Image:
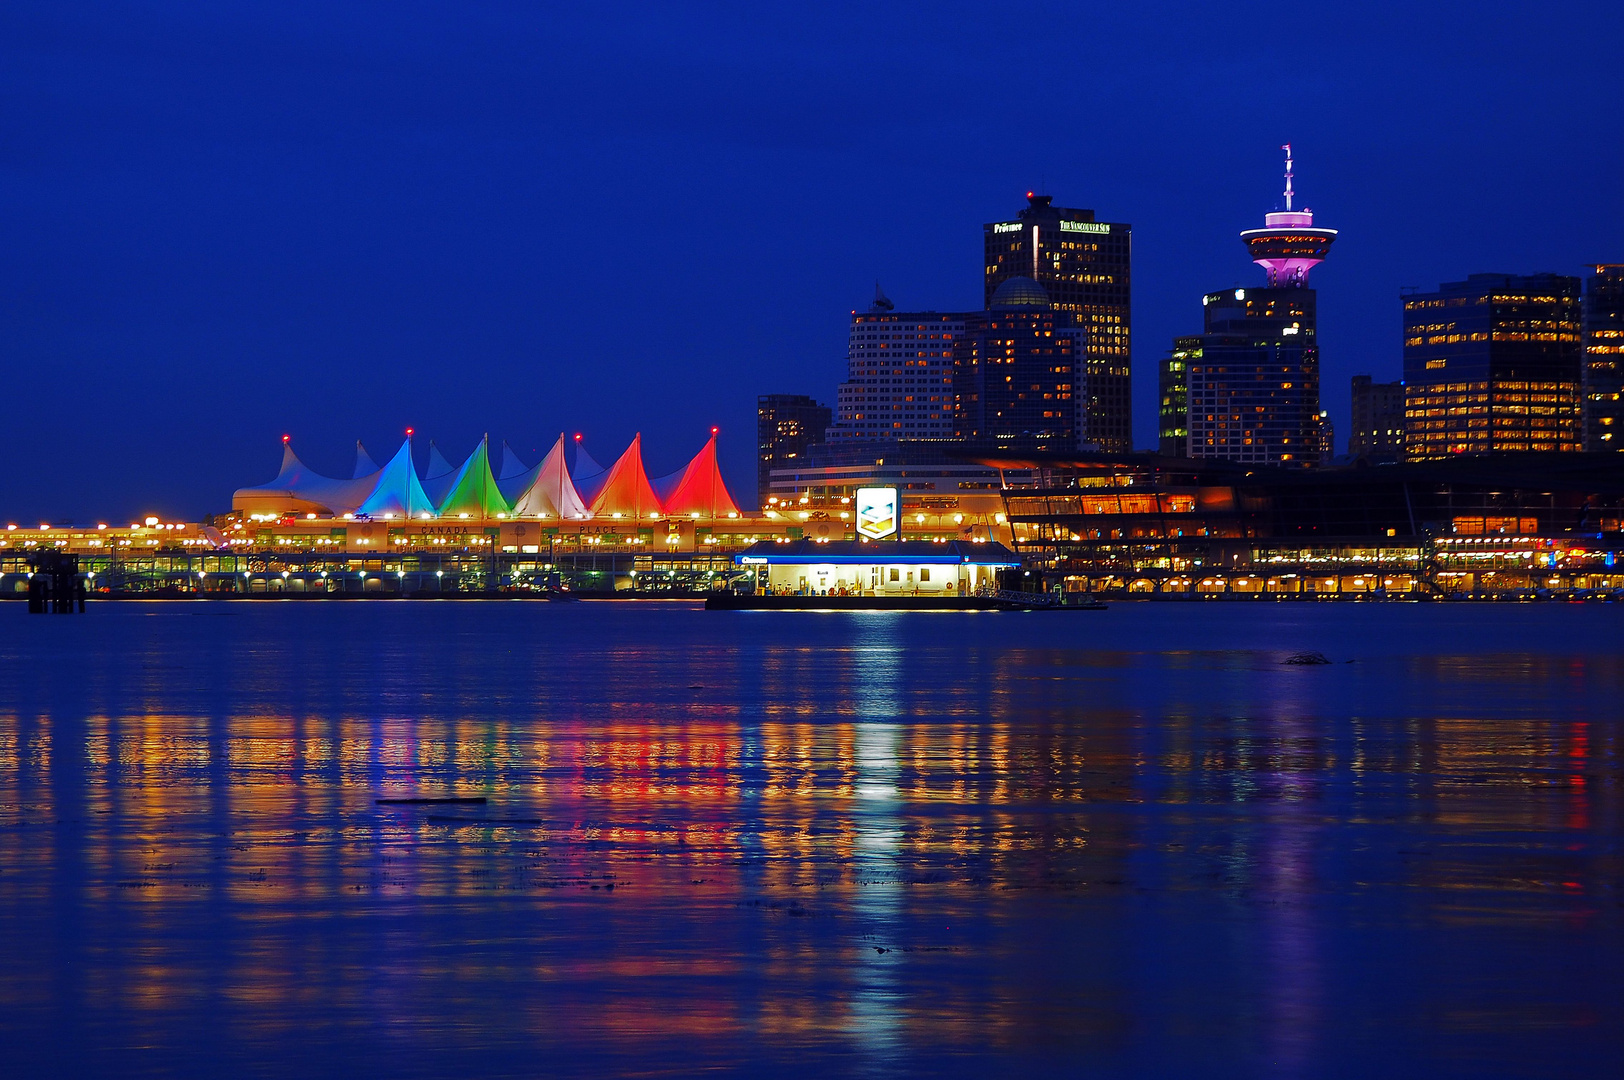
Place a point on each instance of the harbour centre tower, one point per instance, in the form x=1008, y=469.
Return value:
x=1247, y=389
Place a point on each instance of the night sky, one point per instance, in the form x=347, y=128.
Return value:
x=220, y=223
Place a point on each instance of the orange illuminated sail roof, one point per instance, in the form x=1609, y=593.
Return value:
x=699, y=488
x=626, y=490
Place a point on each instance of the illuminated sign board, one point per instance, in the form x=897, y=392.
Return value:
x=1084, y=226
x=878, y=512
x=1008, y=226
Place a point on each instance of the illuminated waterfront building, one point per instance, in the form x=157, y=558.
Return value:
x=1253, y=383
x=1327, y=438
x=944, y=495
x=1509, y=528
x=1015, y=372
x=883, y=568
x=1247, y=389
x=1173, y=386
x=1603, y=382
x=1493, y=364
x=786, y=424
x=1084, y=267
x=899, y=377
x=1378, y=420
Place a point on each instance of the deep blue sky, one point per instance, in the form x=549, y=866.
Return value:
x=220, y=223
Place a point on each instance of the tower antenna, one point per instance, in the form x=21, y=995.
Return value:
x=1287, y=149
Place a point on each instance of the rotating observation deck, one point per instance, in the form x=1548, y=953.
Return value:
x=1288, y=246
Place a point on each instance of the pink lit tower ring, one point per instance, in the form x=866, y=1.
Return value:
x=1289, y=246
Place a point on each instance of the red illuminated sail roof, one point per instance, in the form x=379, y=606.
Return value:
x=699, y=488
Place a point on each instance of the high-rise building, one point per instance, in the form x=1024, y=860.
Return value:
x=1254, y=390
x=1327, y=438
x=786, y=424
x=1492, y=364
x=1250, y=382
x=1083, y=266
x=1378, y=420
x=1603, y=383
x=1173, y=429
x=1015, y=372
x=899, y=376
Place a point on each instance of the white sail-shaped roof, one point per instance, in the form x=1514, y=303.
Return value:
x=511, y=466
x=397, y=492
x=364, y=465
x=588, y=476
x=514, y=477
x=438, y=465
x=439, y=477
x=298, y=489
x=552, y=494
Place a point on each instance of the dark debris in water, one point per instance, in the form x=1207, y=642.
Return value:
x=1306, y=659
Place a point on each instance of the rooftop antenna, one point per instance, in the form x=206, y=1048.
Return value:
x=1287, y=149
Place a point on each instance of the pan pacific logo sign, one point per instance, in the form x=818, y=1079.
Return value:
x=877, y=512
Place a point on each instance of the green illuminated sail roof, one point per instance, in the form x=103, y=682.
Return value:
x=474, y=491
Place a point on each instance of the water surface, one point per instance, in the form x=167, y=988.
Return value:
x=1130, y=843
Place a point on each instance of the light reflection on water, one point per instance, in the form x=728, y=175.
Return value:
x=1126, y=843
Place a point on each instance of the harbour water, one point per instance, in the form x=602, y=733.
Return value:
x=1132, y=843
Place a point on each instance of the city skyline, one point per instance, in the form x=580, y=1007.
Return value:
x=342, y=233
